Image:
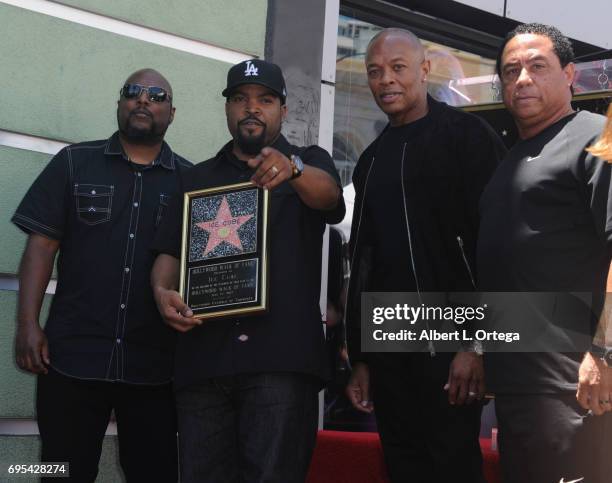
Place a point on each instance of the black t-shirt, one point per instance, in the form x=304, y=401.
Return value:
x=289, y=337
x=384, y=223
x=546, y=222
x=104, y=210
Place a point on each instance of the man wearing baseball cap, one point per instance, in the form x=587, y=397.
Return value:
x=247, y=388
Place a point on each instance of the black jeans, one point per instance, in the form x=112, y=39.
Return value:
x=73, y=415
x=546, y=438
x=424, y=438
x=248, y=428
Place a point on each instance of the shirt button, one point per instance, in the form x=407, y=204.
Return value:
x=127, y=269
x=93, y=192
x=243, y=338
x=139, y=174
x=131, y=235
x=118, y=341
x=123, y=306
x=136, y=203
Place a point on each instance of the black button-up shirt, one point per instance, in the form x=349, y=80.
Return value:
x=289, y=337
x=104, y=210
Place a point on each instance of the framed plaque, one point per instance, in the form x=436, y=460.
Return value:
x=224, y=252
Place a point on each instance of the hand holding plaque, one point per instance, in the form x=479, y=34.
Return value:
x=224, y=256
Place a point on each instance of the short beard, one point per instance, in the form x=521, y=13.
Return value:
x=150, y=135
x=251, y=145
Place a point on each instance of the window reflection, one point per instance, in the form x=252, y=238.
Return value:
x=357, y=119
x=593, y=76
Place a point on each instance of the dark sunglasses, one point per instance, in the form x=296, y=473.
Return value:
x=155, y=94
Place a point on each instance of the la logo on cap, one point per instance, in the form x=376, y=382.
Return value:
x=251, y=69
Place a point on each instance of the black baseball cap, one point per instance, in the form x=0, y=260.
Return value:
x=256, y=71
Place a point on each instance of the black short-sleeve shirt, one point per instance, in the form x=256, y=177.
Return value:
x=289, y=338
x=104, y=210
x=546, y=227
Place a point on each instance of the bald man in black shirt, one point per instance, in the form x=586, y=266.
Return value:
x=414, y=230
x=104, y=346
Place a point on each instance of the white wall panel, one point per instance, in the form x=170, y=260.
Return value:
x=491, y=6
x=586, y=21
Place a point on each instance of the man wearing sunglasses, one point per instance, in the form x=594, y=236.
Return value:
x=104, y=346
x=247, y=388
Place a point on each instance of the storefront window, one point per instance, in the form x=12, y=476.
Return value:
x=357, y=119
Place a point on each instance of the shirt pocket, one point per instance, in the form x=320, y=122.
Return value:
x=162, y=207
x=93, y=202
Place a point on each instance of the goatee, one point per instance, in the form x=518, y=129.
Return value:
x=251, y=144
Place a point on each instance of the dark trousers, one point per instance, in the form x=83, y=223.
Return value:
x=73, y=415
x=248, y=428
x=547, y=438
x=424, y=438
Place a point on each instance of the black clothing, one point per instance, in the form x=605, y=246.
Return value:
x=248, y=428
x=445, y=169
x=546, y=223
x=423, y=180
x=73, y=415
x=384, y=225
x=336, y=264
x=550, y=437
x=424, y=438
x=104, y=210
x=290, y=336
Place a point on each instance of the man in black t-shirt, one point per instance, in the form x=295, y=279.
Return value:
x=247, y=387
x=104, y=346
x=546, y=227
x=414, y=230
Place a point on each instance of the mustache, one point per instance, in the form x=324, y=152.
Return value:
x=251, y=118
x=141, y=111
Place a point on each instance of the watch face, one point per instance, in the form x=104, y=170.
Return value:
x=608, y=357
x=298, y=163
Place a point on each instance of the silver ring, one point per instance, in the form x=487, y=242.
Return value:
x=471, y=393
x=274, y=170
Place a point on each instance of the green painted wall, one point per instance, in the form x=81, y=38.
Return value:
x=18, y=168
x=233, y=24
x=66, y=79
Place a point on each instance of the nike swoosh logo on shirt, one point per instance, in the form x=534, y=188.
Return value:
x=529, y=159
x=562, y=480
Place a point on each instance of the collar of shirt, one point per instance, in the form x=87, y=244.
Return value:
x=164, y=158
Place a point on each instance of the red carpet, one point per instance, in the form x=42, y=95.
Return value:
x=345, y=457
